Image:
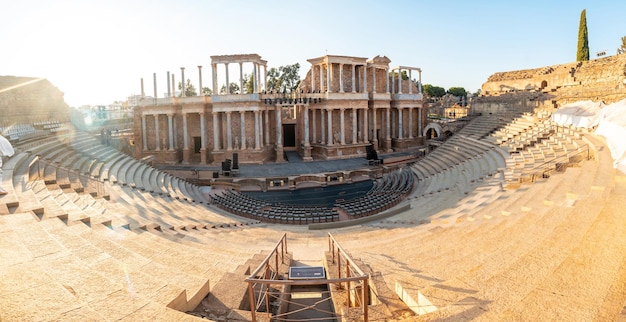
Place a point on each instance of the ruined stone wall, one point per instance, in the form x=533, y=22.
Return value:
x=38, y=100
x=549, y=87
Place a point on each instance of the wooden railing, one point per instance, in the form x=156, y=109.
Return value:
x=265, y=275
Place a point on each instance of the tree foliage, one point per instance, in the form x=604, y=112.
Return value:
x=248, y=83
x=284, y=79
x=433, y=91
x=622, y=48
x=190, y=90
x=582, y=54
x=206, y=91
x=233, y=87
x=457, y=91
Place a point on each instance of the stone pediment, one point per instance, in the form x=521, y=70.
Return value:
x=379, y=61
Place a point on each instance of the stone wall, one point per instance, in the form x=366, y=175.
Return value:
x=602, y=79
x=25, y=100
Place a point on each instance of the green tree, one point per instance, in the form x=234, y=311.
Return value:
x=457, y=91
x=190, y=90
x=284, y=79
x=622, y=48
x=433, y=91
x=207, y=91
x=248, y=83
x=234, y=89
x=582, y=54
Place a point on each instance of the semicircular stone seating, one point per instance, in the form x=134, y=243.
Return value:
x=465, y=249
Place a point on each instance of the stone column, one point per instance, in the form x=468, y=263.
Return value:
x=182, y=80
x=342, y=136
x=229, y=132
x=321, y=79
x=314, y=121
x=399, y=81
x=400, y=123
x=256, y=131
x=267, y=127
x=313, y=79
x=227, y=80
x=410, y=121
x=393, y=82
x=374, y=132
x=202, y=131
x=265, y=76
x=200, y=81
x=329, y=79
x=216, y=132
x=419, y=80
x=155, y=87
x=354, y=125
x=243, y=129
x=387, y=124
x=279, y=135
x=322, y=127
x=255, y=78
x=364, y=78
x=353, y=78
x=374, y=80
x=261, y=132
x=185, y=139
x=143, y=94
x=157, y=139
x=306, y=126
x=214, y=75
x=185, y=133
x=202, y=137
x=365, y=130
x=170, y=130
x=330, y=127
x=241, y=78
x=419, y=122
x=410, y=85
x=387, y=80
x=173, y=85
x=169, y=92
x=144, y=135
x=340, y=78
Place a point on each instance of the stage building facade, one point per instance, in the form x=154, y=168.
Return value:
x=343, y=105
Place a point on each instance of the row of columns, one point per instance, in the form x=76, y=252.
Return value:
x=171, y=86
x=363, y=71
x=260, y=133
x=326, y=123
x=170, y=131
x=255, y=77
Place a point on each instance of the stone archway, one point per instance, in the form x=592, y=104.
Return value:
x=436, y=127
x=544, y=84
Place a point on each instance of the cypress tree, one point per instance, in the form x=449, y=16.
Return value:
x=583, y=38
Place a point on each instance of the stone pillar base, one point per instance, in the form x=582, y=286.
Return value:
x=388, y=145
x=186, y=156
x=307, y=153
x=203, y=155
x=279, y=154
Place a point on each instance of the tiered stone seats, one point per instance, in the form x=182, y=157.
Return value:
x=386, y=194
x=458, y=162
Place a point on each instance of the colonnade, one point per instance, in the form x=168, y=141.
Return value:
x=260, y=132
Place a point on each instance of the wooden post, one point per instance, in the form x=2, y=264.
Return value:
x=348, y=282
x=252, y=302
x=339, y=267
x=365, y=299
x=267, y=300
x=276, y=261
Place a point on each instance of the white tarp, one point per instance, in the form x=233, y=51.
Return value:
x=583, y=114
x=6, y=149
x=612, y=126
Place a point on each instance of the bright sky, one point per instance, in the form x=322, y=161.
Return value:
x=96, y=52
